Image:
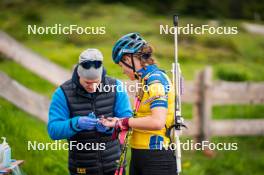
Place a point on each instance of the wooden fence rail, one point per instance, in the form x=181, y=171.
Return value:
x=211, y=93
x=43, y=67
x=24, y=98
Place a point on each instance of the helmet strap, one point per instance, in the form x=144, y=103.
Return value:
x=127, y=65
x=132, y=67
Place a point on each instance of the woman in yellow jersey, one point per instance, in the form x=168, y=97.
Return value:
x=153, y=108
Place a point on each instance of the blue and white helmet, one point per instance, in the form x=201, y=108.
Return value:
x=127, y=44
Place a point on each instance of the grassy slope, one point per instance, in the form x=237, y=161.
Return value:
x=247, y=160
x=19, y=128
x=240, y=56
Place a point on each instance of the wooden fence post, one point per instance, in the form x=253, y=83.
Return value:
x=196, y=119
x=203, y=105
x=206, y=103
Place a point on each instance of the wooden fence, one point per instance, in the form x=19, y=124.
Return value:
x=24, y=98
x=32, y=61
x=205, y=93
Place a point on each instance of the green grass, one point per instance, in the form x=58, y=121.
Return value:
x=248, y=159
x=246, y=111
x=238, y=112
x=26, y=78
x=19, y=128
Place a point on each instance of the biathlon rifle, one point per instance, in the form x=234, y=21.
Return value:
x=178, y=87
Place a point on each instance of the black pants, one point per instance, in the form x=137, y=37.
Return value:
x=152, y=162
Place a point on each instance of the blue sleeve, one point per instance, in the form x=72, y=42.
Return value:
x=60, y=126
x=159, y=78
x=122, y=103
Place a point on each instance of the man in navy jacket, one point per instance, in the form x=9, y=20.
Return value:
x=74, y=114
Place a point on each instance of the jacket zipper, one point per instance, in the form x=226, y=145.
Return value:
x=100, y=166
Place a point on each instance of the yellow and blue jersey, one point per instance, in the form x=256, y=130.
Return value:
x=159, y=93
